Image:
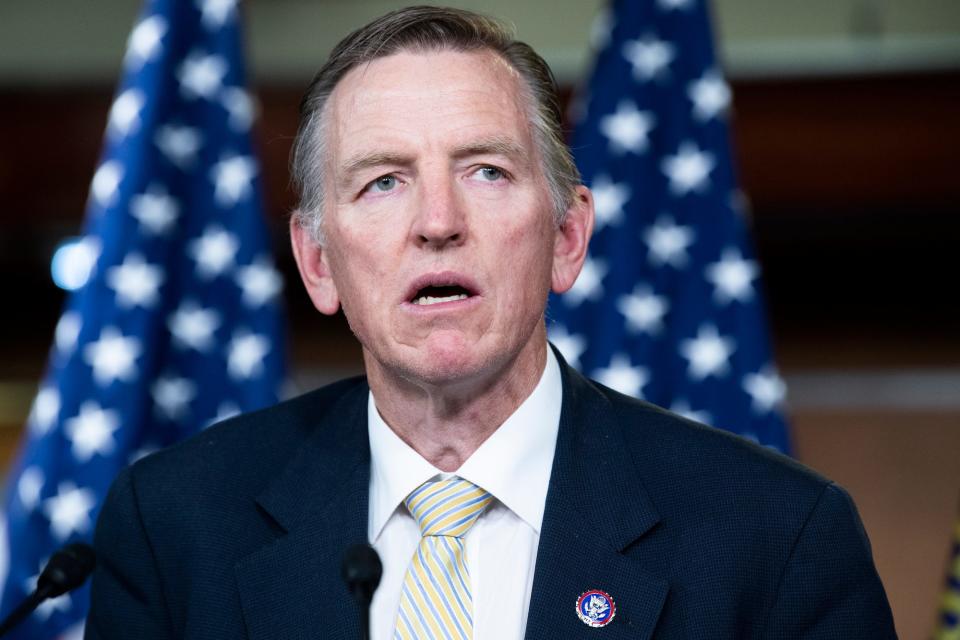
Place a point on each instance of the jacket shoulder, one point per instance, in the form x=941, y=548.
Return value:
x=244, y=451
x=704, y=468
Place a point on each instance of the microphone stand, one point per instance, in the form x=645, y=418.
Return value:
x=67, y=569
x=25, y=608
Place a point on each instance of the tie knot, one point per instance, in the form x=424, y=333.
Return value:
x=447, y=507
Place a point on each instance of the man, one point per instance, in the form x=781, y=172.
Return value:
x=508, y=496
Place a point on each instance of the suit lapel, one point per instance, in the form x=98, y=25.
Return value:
x=596, y=508
x=291, y=587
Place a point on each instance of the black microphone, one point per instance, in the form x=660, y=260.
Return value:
x=66, y=570
x=361, y=570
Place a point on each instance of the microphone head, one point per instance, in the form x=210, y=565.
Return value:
x=67, y=569
x=361, y=570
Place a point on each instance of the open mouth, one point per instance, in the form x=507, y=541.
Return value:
x=439, y=288
x=436, y=294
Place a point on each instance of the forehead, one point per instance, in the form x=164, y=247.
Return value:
x=430, y=98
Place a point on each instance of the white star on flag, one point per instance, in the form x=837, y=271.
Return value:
x=260, y=282
x=80, y=260
x=201, y=75
x=245, y=355
x=766, y=389
x=49, y=606
x=669, y=5
x=193, y=327
x=69, y=510
x=233, y=179
x=589, y=284
x=708, y=354
x=124, y=117
x=180, y=145
x=30, y=486
x=106, y=181
x=67, y=331
x=91, y=431
x=214, y=251
x=682, y=408
x=667, y=242
x=571, y=345
x=240, y=108
x=732, y=277
x=214, y=13
x=627, y=129
x=144, y=41
x=136, y=283
x=46, y=408
x=225, y=411
x=601, y=28
x=113, y=357
x=643, y=310
x=649, y=56
x=620, y=375
x=173, y=395
x=155, y=210
x=608, y=200
x=688, y=170
x=710, y=95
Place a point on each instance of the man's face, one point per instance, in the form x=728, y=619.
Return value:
x=440, y=238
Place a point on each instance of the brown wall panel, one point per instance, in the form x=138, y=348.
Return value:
x=872, y=142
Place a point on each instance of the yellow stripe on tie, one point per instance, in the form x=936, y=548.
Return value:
x=437, y=596
x=427, y=499
x=460, y=509
x=436, y=603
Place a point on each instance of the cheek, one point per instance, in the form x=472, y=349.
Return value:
x=359, y=255
x=529, y=260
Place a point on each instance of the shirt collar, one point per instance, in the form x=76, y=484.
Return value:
x=513, y=464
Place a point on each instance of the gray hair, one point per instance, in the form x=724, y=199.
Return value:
x=418, y=29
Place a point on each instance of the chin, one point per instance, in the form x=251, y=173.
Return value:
x=444, y=360
x=449, y=361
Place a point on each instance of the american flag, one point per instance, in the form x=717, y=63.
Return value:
x=668, y=306
x=178, y=324
x=948, y=624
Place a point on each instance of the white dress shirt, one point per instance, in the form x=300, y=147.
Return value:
x=514, y=465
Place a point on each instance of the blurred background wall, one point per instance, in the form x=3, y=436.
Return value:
x=847, y=133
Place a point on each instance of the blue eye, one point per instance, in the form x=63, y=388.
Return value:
x=383, y=183
x=491, y=174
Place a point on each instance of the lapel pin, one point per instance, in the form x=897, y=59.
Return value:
x=596, y=608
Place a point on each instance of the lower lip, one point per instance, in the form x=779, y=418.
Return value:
x=438, y=307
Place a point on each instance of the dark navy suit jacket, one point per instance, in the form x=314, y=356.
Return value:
x=238, y=532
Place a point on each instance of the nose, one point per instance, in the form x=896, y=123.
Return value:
x=441, y=220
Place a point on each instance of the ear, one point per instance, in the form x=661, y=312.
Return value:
x=313, y=264
x=571, y=240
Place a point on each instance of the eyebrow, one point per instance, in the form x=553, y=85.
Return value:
x=490, y=146
x=375, y=159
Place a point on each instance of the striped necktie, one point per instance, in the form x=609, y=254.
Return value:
x=436, y=602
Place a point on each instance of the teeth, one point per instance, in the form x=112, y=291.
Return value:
x=425, y=300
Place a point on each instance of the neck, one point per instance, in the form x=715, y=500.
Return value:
x=446, y=422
